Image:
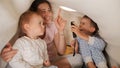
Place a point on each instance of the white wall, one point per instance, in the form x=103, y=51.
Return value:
x=10, y=11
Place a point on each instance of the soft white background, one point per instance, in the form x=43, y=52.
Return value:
x=105, y=12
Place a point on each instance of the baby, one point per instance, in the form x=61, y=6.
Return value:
x=32, y=50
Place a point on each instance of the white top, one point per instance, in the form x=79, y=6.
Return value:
x=31, y=53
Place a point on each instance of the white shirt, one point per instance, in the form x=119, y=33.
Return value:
x=31, y=53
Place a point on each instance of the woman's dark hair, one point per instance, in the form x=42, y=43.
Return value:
x=36, y=3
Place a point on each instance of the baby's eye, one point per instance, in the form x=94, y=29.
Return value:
x=82, y=23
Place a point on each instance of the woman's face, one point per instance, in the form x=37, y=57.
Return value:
x=45, y=11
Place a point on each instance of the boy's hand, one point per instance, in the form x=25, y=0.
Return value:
x=72, y=44
x=8, y=53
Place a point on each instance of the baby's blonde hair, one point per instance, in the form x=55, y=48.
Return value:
x=24, y=19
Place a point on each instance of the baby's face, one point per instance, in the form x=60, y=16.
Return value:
x=36, y=25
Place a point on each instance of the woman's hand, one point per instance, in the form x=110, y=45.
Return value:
x=60, y=22
x=8, y=53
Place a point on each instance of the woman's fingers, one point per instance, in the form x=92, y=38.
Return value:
x=60, y=22
x=59, y=12
x=7, y=56
x=6, y=50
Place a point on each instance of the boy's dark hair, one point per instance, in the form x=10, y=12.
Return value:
x=92, y=23
x=36, y=3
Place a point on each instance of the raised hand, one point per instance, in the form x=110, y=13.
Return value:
x=60, y=22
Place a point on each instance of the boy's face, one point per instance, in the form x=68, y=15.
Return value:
x=45, y=11
x=85, y=25
x=36, y=25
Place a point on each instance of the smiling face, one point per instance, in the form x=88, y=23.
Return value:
x=45, y=11
x=85, y=26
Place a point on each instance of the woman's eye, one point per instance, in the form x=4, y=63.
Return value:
x=43, y=11
x=49, y=10
x=39, y=22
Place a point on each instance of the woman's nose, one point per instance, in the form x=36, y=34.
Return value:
x=43, y=26
x=46, y=13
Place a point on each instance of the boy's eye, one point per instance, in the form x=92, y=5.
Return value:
x=83, y=23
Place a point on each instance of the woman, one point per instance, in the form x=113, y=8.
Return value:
x=54, y=37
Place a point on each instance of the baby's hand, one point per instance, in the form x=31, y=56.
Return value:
x=46, y=63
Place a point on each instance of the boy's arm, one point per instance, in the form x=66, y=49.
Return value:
x=84, y=50
x=91, y=65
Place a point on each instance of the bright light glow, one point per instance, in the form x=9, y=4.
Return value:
x=67, y=9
